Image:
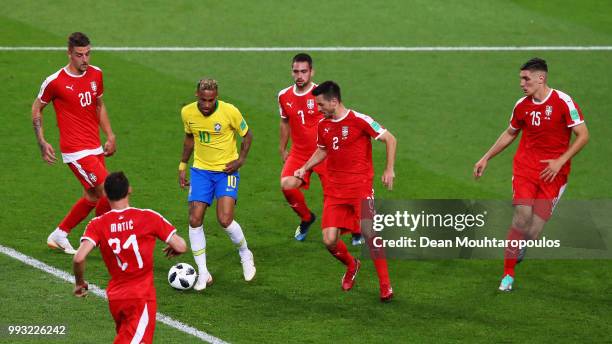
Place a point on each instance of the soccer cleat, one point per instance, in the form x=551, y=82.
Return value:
x=203, y=281
x=302, y=230
x=248, y=267
x=521, y=255
x=348, y=280
x=386, y=293
x=357, y=239
x=58, y=242
x=506, y=283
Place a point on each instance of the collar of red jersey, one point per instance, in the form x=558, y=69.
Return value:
x=305, y=92
x=545, y=99
x=120, y=210
x=74, y=75
x=343, y=117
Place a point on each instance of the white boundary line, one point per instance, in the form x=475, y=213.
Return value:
x=340, y=48
x=102, y=293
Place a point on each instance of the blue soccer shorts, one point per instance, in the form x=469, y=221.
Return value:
x=208, y=185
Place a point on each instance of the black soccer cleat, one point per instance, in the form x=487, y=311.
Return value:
x=302, y=231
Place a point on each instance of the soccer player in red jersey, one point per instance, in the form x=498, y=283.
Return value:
x=76, y=92
x=126, y=237
x=344, y=138
x=547, y=118
x=299, y=119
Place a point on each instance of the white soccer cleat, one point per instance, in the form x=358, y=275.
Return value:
x=248, y=266
x=59, y=242
x=204, y=280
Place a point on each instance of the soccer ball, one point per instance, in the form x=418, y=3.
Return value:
x=182, y=276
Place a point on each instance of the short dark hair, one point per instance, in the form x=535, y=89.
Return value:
x=535, y=64
x=77, y=39
x=116, y=186
x=303, y=57
x=329, y=90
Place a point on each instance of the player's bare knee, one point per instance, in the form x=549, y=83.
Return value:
x=194, y=221
x=288, y=183
x=225, y=220
x=522, y=217
x=329, y=242
x=330, y=239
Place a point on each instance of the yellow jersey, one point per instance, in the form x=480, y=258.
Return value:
x=214, y=135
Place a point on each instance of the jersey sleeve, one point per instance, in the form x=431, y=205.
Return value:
x=238, y=123
x=573, y=115
x=516, y=122
x=101, y=85
x=370, y=126
x=47, y=91
x=281, y=110
x=91, y=233
x=186, y=126
x=320, y=142
x=164, y=230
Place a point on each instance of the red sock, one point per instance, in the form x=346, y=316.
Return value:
x=511, y=253
x=341, y=253
x=296, y=200
x=102, y=207
x=380, y=263
x=77, y=213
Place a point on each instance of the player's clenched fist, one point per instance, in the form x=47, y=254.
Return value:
x=479, y=168
x=80, y=290
x=299, y=173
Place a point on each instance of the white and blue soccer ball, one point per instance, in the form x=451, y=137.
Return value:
x=182, y=276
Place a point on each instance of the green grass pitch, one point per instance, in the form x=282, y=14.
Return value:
x=445, y=108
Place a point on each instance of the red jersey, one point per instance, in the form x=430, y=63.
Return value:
x=75, y=99
x=303, y=115
x=349, y=154
x=546, y=130
x=127, y=239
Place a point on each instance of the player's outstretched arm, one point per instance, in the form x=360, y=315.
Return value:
x=233, y=166
x=46, y=150
x=503, y=141
x=78, y=266
x=554, y=165
x=317, y=157
x=285, y=131
x=176, y=246
x=389, y=173
x=187, y=151
x=109, y=145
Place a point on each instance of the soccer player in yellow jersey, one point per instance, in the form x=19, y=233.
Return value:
x=211, y=126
